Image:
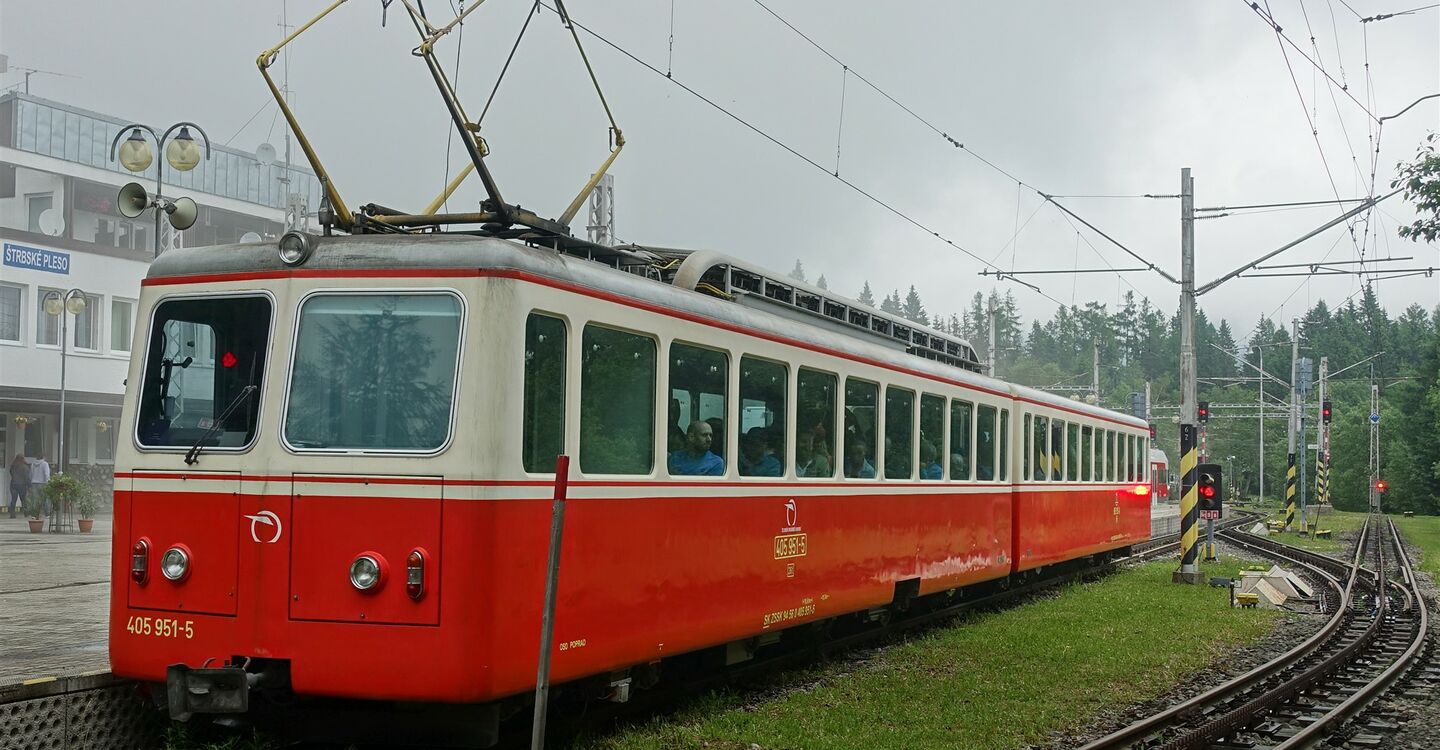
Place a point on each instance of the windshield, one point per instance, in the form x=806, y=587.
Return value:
x=202, y=354
x=374, y=372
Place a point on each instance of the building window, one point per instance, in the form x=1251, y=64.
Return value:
x=47, y=326
x=120, y=311
x=11, y=299
x=87, y=325
x=36, y=204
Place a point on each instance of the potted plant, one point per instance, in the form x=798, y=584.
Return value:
x=63, y=490
x=35, y=509
x=87, y=505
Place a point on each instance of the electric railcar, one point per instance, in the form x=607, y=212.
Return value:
x=340, y=462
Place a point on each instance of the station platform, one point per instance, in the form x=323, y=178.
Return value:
x=1164, y=519
x=54, y=602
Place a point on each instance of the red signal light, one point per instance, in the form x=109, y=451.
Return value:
x=140, y=561
x=1381, y=485
x=1207, y=490
x=229, y=360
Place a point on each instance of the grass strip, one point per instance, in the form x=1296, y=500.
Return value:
x=1323, y=517
x=997, y=680
x=1423, y=532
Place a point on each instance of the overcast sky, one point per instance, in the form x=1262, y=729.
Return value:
x=1072, y=98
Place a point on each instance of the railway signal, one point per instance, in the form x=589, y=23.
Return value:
x=1325, y=412
x=1203, y=412
x=1381, y=485
x=1210, y=487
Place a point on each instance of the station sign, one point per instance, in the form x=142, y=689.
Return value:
x=36, y=259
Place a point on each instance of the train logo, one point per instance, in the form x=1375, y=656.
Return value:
x=265, y=518
x=790, y=513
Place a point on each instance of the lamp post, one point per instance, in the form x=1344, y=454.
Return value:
x=182, y=153
x=64, y=305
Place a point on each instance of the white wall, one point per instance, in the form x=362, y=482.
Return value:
x=30, y=365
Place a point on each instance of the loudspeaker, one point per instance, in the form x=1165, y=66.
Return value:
x=132, y=201
x=182, y=213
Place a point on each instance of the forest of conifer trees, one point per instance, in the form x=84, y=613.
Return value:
x=1140, y=343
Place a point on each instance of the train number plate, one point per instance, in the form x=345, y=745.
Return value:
x=1209, y=515
x=160, y=627
x=790, y=545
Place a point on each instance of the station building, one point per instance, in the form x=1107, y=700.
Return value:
x=60, y=230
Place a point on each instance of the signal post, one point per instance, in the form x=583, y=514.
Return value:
x=1189, y=571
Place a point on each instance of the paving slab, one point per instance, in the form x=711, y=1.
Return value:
x=54, y=602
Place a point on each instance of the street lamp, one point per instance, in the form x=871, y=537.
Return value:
x=182, y=153
x=64, y=305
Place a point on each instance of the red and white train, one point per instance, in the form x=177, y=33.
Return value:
x=340, y=463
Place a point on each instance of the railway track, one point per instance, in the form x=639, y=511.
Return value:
x=1376, y=632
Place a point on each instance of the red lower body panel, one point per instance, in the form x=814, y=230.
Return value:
x=1054, y=525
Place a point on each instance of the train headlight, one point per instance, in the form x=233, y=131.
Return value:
x=175, y=563
x=366, y=572
x=295, y=248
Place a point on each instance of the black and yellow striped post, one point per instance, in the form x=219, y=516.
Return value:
x=1189, y=509
x=1320, y=478
x=1289, y=490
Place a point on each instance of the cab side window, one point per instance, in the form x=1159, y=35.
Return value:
x=543, y=428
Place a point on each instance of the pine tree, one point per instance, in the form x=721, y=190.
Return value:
x=892, y=303
x=913, y=310
x=866, y=297
x=821, y=282
x=798, y=273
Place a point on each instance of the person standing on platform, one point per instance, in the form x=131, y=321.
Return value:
x=19, y=482
x=39, y=475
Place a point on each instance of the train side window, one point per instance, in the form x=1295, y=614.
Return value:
x=1129, y=458
x=985, y=444
x=617, y=402
x=1025, y=454
x=763, y=385
x=1139, y=458
x=543, y=428
x=860, y=428
x=374, y=372
x=697, y=405
x=1042, y=454
x=1056, y=469
x=186, y=390
x=1103, y=451
x=1110, y=456
x=815, y=424
x=1004, y=445
x=932, y=436
x=961, y=455
x=1072, y=452
x=899, y=433
x=1087, y=456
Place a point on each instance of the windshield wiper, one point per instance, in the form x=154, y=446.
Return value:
x=193, y=455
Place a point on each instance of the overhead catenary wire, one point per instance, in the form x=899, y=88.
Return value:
x=1279, y=32
x=268, y=101
x=946, y=136
x=576, y=25
x=1314, y=132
